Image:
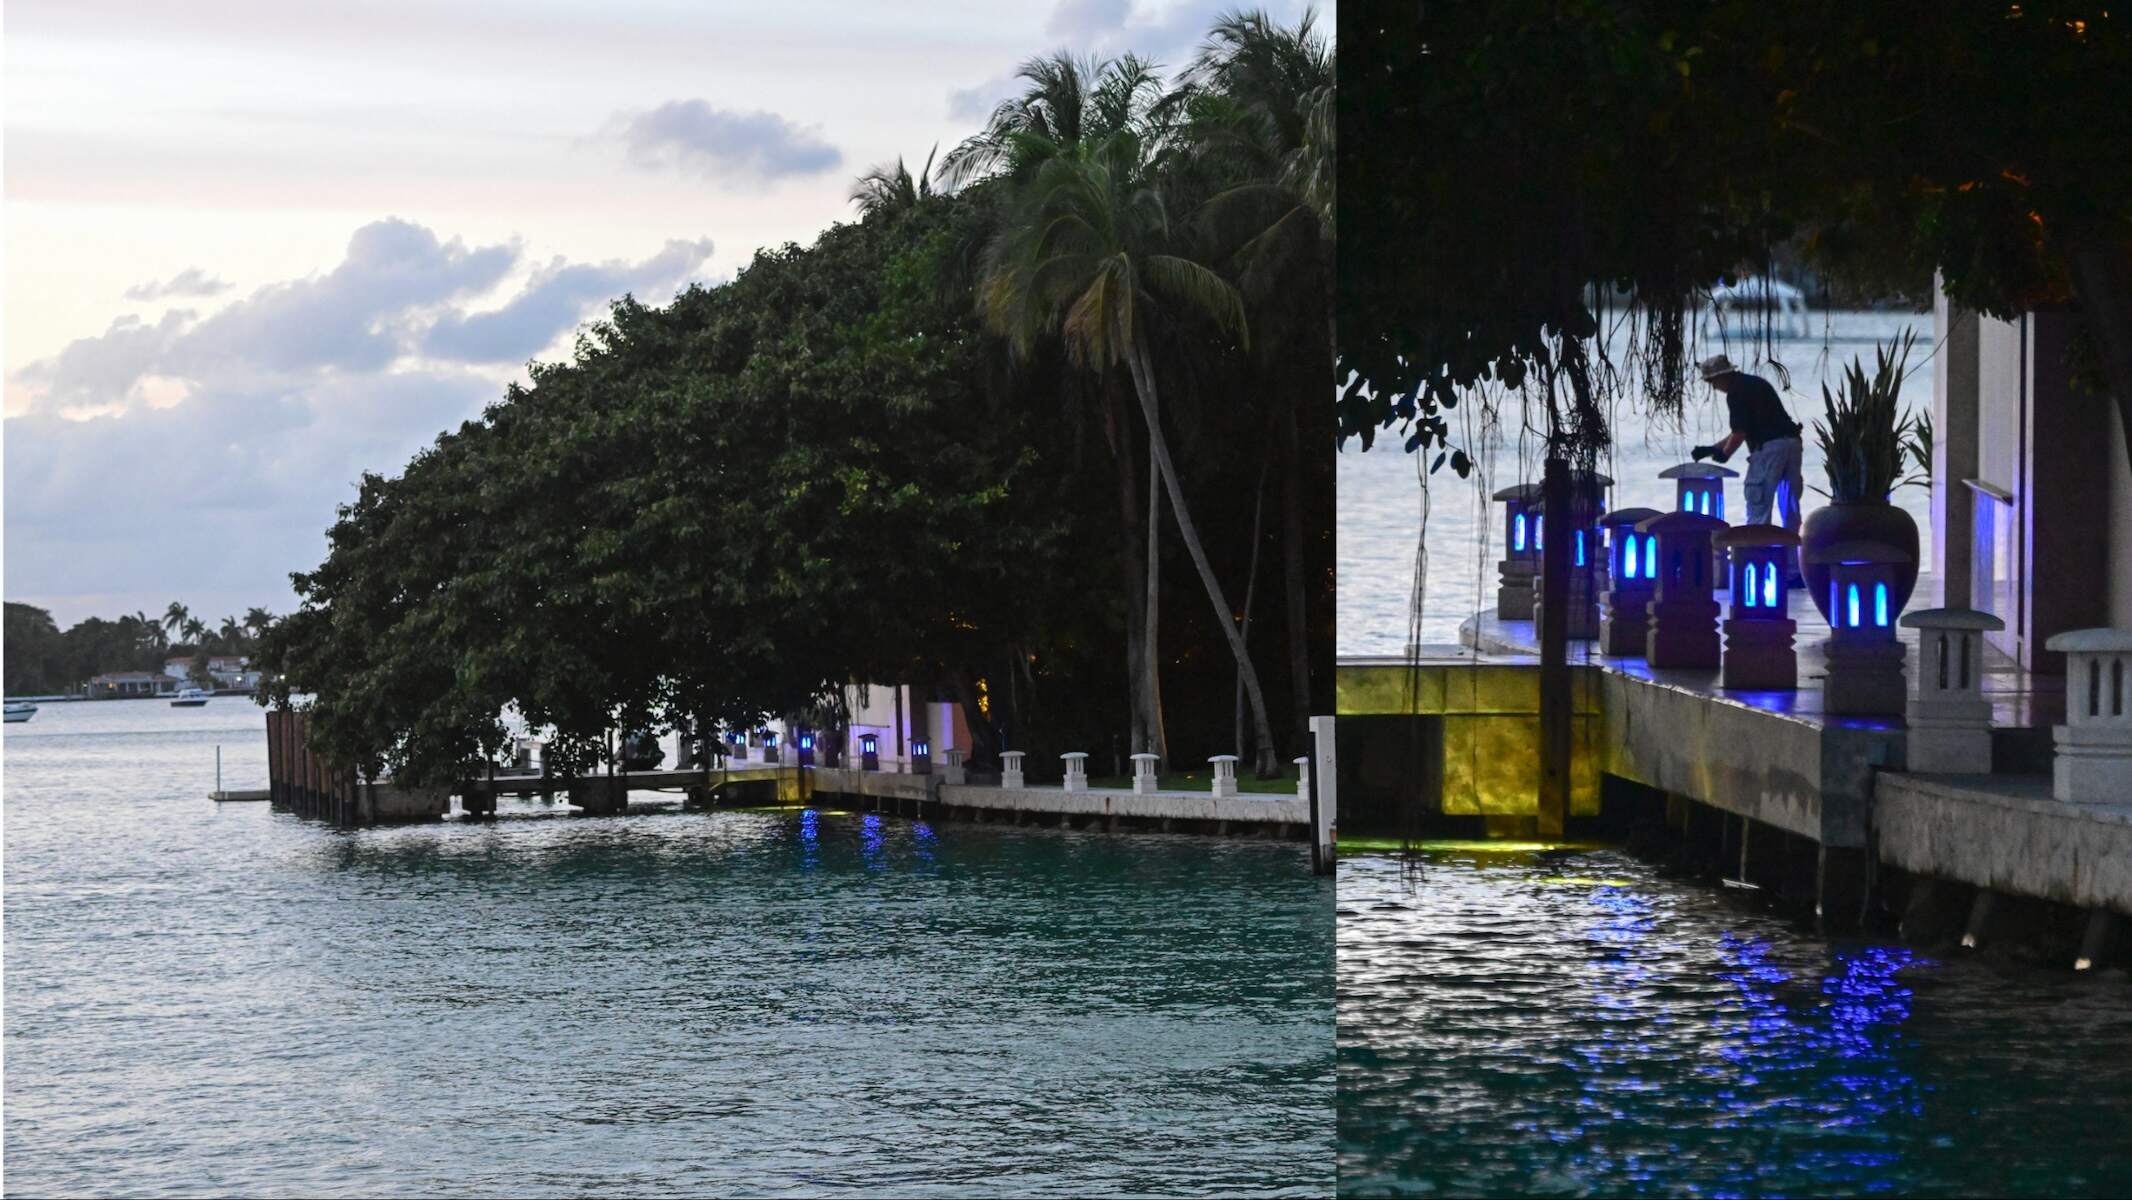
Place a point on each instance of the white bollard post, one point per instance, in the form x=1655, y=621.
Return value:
x=1076, y=770
x=1324, y=814
x=1224, y=774
x=1010, y=775
x=1302, y=778
x=1144, y=772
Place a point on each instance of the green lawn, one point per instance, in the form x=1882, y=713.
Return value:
x=1200, y=781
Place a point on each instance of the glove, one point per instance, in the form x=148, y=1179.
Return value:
x=1700, y=453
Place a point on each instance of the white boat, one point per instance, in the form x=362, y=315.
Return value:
x=189, y=698
x=19, y=711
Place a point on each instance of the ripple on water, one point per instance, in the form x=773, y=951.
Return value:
x=1515, y=1026
x=214, y=999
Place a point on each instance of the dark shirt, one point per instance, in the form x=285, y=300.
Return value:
x=1757, y=413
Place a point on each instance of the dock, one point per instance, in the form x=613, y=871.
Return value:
x=1764, y=786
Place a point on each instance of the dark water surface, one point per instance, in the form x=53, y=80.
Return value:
x=1517, y=1023
x=217, y=999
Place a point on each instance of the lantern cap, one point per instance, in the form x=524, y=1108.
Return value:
x=2091, y=641
x=1864, y=550
x=1519, y=491
x=1680, y=522
x=1222, y=758
x=1146, y=754
x=1629, y=516
x=1950, y=618
x=1698, y=470
x=1747, y=536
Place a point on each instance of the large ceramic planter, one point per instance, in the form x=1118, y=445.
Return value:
x=1862, y=520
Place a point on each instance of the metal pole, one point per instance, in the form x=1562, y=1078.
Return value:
x=218, y=768
x=1555, y=710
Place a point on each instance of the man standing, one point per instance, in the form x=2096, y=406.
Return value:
x=1758, y=418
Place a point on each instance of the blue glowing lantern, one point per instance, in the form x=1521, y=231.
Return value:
x=1759, y=630
x=1521, y=551
x=921, y=756
x=1699, y=487
x=1683, y=612
x=1861, y=596
x=1630, y=559
x=870, y=751
x=803, y=743
x=1586, y=564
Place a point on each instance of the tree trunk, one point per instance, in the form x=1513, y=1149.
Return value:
x=1295, y=570
x=1150, y=407
x=1129, y=535
x=1554, y=648
x=1258, y=512
x=1155, y=739
x=2102, y=278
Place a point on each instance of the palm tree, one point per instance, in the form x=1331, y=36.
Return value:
x=1087, y=253
x=883, y=189
x=1257, y=106
x=175, y=618
x=195, y=630
x=231, y=631
x=256, y=622
x=1068, y=101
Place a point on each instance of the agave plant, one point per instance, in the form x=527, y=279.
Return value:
x=1918, y=449
x=1864, y=439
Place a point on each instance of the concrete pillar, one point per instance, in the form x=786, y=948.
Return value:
x=1324, y=796
x=1865, y=661
x=1759, y=655
x=953, y=772
x=1624, y=608
x=1302, y=778
x=1954, y=447
x=2094, y=747
x=1076, y=770
x=1144, y=780
x=1224, y=774
x=1521, y=551
x=1948, y=716
x=1011, y=768
x=1844, y=877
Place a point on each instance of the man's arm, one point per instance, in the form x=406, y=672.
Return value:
x=1720, y=449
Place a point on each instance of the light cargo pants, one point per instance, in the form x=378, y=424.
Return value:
x=1773, y=480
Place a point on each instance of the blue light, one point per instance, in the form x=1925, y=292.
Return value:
x=1835, y=615
x=806, y=741
x=1580, y=547
x=1628, y=559
x=1851, y=606
x=1650, y=555
x=1880, y=604
x=1746, y=593
x=1721, y=506
x=1769, y=584
x=1517, y=532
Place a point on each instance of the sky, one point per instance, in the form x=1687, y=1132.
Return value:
x=254, y=249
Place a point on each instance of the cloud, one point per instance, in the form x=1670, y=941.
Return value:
x=205, y=455
x=555, y=299
x=734, y=147
x=191, y=281
x=976, y=103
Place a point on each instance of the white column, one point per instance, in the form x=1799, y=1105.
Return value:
x=1302, y=778
x=1076, y=770
x=1011, y=768
x=1325, y=780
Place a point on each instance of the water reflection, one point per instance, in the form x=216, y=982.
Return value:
x=1540, y=1023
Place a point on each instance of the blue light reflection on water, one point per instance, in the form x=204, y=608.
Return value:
x=1526, y=1024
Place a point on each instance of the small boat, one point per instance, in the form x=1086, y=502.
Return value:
x=189, y=698
x=19, y=711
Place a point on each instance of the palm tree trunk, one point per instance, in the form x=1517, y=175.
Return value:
x=1295, y=572
x=1150, y=407
x=1258, y=513
x=1157, y=737
x=1129, y=533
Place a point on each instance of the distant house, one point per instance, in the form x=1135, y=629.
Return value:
x=229, y=672
x=121, y=685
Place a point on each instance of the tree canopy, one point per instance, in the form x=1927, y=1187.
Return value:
x=1507, y=172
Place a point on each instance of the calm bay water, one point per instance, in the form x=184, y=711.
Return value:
x=219, y=999
x=1520, y=1023
x=1380, y=497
